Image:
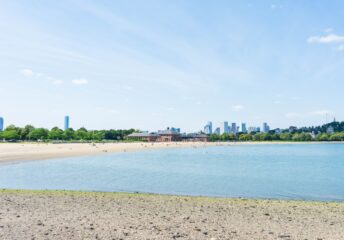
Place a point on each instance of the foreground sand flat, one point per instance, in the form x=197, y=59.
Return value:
x=77, y=215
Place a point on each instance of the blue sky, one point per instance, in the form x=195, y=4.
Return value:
x=152, y=64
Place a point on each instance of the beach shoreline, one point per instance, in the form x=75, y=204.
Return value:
x=19, y=152
x=46, y=214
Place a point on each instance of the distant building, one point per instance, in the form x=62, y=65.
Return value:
x=224, y=128
x=195, y=137
x=208, y=129
x=66, y=122
x=265, y=128
x=253, y=129
x=217, y=131
x=1, y=123
x=234, y=128
x=177, y=130
x=278, y=130
x=144, y=136
x=330, y=130
x=243, y=128
x=169, y=135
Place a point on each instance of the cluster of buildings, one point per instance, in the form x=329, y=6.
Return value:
x=172, y=134
x=233, y=128
x=169, y=135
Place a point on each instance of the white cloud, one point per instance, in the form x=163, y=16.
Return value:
x=321, y=112
x=27, y=72
x=330, y=38
x=56, y=82
x=198, y=103
x=274, y=6
x=238, y=107
x=80, y=81
x=170, y=108
x=328, y=30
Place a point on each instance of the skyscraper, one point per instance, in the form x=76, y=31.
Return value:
x=265, y=128
x=208, y=129
x=234, y=128
x=224, y=127
x=217, y=131
x=243, y=128
x=1, y=123
x=66, y=122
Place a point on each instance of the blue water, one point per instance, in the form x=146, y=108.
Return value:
x=304, y=171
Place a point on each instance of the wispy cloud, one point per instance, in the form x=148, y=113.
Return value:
x=238, y=107
x=27, y=72
x=309, y=114
x=80, y=81
x=30, y=73
x=321, y=112
x=330, y=38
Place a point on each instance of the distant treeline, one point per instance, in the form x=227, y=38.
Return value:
x=337, y=127
x=319, y=133
x=298, y=137
x=30, y=133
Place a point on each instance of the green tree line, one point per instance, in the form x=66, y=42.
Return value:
x=298, y=137
x=30, y=133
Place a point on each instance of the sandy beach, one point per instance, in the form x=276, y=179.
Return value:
x=12, y=152
x=78, y=215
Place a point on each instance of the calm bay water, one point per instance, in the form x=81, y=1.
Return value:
x=295, y=171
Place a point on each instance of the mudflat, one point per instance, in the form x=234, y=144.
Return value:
x=89, y=215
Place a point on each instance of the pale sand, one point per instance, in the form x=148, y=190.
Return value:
x=77, y=215
x=13, y=152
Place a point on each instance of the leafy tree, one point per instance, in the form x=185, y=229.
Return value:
x=245, y=137
x=69, y=134
x=285, y=136
x=302, y=137
x=337, y=136
x=322, y=137
x=24, y=133
x=56, y=134
x=39, y=134
x=82, y=134
x=9, y=134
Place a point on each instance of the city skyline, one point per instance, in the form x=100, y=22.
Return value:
x=140, y=65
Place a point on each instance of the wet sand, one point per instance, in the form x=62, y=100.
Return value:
x=79, y=215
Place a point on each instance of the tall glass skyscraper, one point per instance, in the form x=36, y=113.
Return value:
x=234, y=128
x=1, y=123
x=208, y=129
x=66, y=122
x=243, y=128
x=266, y=127
x=224, y=128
